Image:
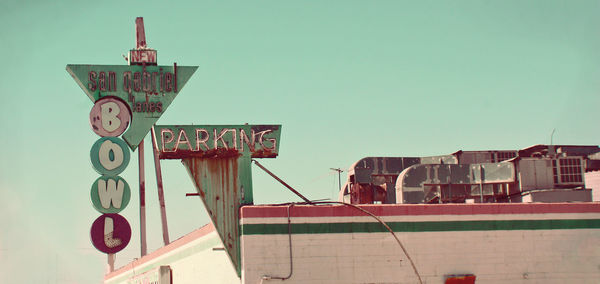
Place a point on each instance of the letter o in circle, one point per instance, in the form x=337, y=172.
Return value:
x=110, y=156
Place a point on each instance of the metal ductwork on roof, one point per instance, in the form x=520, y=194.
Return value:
x=453, y=183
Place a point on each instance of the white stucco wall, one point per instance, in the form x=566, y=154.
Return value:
x=592, y=180
x=191, y=260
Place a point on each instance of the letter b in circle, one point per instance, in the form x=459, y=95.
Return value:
x=110, y=156
x=109, y=117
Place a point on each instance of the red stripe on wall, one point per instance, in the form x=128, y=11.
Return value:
x=206, y=229
x=262, y=211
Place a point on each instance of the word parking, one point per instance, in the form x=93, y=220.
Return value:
x=176, y=141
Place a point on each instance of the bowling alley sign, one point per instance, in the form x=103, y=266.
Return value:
x=110, y=193
x=128, y=100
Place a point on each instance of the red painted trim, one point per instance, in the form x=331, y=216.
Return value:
x=205, y=230
x=261, y=211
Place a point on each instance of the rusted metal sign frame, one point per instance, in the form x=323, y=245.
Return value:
x=218, y=159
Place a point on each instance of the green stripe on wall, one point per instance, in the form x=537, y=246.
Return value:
x=374, y=227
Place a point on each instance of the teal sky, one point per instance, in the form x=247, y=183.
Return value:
x=346, y=79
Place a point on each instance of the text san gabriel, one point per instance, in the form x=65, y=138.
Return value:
x=151, y=81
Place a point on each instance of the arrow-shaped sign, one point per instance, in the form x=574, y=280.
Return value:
x=147, y=90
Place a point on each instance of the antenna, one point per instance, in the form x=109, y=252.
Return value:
x=339, y=171
x=551, y=136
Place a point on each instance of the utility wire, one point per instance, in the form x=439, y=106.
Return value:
x=268, y=277
x=412, y=263
x=315, y=203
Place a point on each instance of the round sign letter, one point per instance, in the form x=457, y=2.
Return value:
x=109, y=117
x=110, y=233
x=110, y=194
x=109, y=156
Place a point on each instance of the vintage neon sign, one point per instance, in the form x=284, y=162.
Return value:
x=218, y=159
x=147, y=81
x=147, y=90
x=176, y=141
x=110, y=193
x=128, y=100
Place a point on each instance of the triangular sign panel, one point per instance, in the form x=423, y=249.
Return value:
x=147, y=90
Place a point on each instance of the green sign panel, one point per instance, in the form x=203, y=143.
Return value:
x=109, y=156
x=146, y=90
x=110, y=194
x=209, y=141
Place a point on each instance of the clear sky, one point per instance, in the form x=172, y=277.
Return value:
x=346, y=79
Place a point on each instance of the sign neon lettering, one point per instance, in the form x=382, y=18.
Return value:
x=175, y=142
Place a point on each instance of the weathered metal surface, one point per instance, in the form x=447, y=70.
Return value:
x=494, y=172
x=560, y=150
x=484, y=176
x=214, y=141
x=159, y=185
x=224, y=184
x=490, y=156
x=142, y=179
x=417, y=182
x=146, y=90
x=141, y=55
x=218, y=158
x=140, y=33
x=370, y=178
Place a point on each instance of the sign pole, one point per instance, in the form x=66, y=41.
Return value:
x=142, y=199
x=128, y=100
x=140, y=45
x=159, y=184
x=111, y=262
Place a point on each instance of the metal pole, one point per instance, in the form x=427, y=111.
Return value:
x=339, y=171
x=111, y=262
x=142, y=199
x=481, y=183
x=161, y=195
